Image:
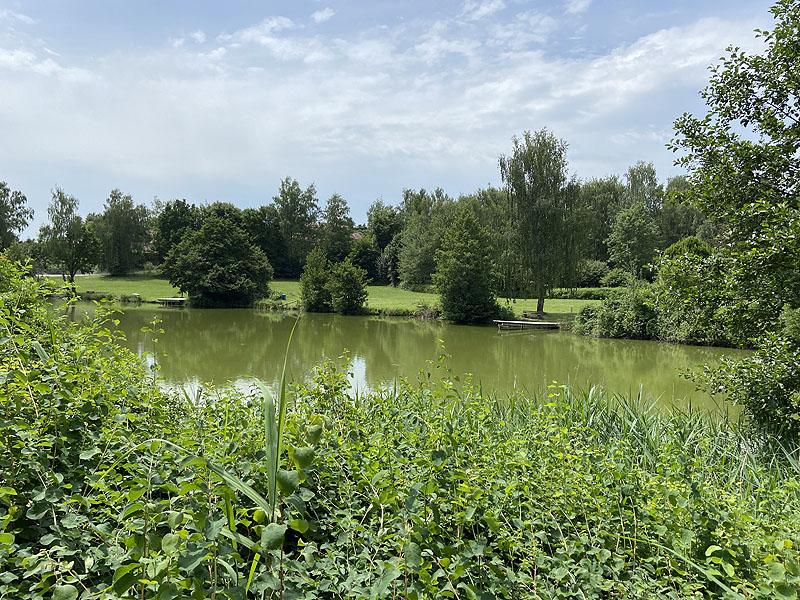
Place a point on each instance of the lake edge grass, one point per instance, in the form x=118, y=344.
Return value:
x=383, y=300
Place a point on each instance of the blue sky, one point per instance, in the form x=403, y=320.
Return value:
x=213, y=101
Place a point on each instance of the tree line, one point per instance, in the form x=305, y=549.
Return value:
x=542, y=229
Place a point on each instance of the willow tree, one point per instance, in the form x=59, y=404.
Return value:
x=542, y=250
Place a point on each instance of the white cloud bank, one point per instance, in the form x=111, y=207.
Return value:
x=274, y=99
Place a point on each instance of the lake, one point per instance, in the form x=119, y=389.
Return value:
x=234, y=345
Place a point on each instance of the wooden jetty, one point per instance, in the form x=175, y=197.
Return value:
x=524, y=324
x=171, y=301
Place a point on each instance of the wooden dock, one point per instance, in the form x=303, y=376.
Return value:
x=171, y=301
x=524, y=324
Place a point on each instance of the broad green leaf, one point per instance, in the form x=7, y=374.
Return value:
x=6, y=538
x=272, y=536
x=170, y=543
x=8, y=491
x=125, y=577
x=168, y=591
x=300, y=525
x=191, y=559
x=413, y=554
x=777, y=572
x=389, y=574
x=175, y=520
x=288, y=481
x=87, y=454
x=786, y=591
x=313, y=434
x=65, y=592
x=303, y=456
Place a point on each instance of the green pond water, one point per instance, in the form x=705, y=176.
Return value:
x=221, y=346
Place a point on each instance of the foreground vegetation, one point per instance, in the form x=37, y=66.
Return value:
x=112, y=488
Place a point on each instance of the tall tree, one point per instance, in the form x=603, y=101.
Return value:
x=599, y=202
x=743, y=159
x=69, y=242
x=122, y=229
x=262, y=225
x=633, y=239
x=174, y=219
x=297, y=214
x=337, y=229
x=383, y=223
x=542, y=201
x=464, y=278
x=642, y=187
x=14, y=214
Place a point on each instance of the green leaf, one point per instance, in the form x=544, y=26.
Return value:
x=6, y=538
x=43, y=356
x=8, y=491
x=288, y=481
x=272, y=536
x=413, y=554
x=212, y=528
x=175, y=520
x=389, y=574
x=87, y=454
x=168, y=591
x=300, y=525
x=777, y=572
x=191, y=559
x=170, y=543
x=303, y=456
x=786, y=591
x=125, y=577
x=313, y=434
x=65, y=592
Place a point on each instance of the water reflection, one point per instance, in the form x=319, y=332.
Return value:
x=234, y=345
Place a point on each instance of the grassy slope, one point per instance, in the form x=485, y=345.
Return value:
x=381, y=297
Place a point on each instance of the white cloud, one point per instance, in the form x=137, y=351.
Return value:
x=10, y=14
x=198, y=36
x=474, y=10
x=323, y=15
x=576, y=7
x=395, y=102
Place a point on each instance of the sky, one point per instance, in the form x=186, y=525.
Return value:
x=219, y=101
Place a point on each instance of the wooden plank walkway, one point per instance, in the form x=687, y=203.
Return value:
x=524, y=324
x=171, y=301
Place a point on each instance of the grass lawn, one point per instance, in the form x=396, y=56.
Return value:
x=149, y=287
x=384, y=298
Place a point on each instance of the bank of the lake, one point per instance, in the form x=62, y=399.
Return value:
x=115, y=488
x=382, y=299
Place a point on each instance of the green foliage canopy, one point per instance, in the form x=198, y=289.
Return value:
x=218, y=265
x=14, y=214
x=464, y=278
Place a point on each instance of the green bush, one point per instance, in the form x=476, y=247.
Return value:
x=347, y=286
x=590, y=273
x=616, y=278
x=626, y=313
x=314, y=293
x=599, y=293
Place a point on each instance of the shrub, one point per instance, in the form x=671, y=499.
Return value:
x=347, y=286
x=314, y=293
x=616, y=278
x=590, y=273
x=627, y=313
